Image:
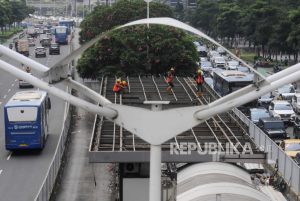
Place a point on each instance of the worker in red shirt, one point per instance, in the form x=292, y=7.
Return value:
x=117, y=87
x=170, y=78
x=199, y=81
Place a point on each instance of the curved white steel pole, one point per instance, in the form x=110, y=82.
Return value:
x=22, y=59
x=107, y=112
x=175, y=23
x=87, y=92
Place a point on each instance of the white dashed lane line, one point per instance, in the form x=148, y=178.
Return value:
x=4, y=97
x=8, y=157
x=8, y=90
x=16, y=80
x=13, y=84
x=1, y=171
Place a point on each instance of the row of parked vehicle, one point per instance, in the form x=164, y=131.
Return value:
x=273, y=112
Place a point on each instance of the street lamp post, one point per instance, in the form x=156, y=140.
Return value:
x=148, y=14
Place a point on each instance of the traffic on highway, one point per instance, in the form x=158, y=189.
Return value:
x=30, y=130
x=276, y=113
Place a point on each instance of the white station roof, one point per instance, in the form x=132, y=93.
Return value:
x=216, y=181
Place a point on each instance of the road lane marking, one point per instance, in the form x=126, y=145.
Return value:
x=8, y=90
x=4, y=97
x=1, y=171
x=8, y=157
x=13, y=84
x=16, y=80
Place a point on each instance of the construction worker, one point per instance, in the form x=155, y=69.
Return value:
x=199, y=80
x=117, y=87
x=124, y=86
x=170, y=78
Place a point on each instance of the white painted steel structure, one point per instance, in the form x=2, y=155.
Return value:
x=151, y=126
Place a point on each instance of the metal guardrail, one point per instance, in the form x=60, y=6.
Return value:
x=47, y=186
x=287, y=167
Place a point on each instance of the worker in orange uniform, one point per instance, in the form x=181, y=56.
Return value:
x=117, y=87
x=124, y=86
x=170, y=78
x=199, y=80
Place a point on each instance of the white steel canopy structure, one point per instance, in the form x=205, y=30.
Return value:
x=153, y=126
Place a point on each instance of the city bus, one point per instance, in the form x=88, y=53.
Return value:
x=228, y=81
x=61, y=34
x=26, y=120
x=67, y=23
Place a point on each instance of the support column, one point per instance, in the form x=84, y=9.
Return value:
x=155, y=159
x=155, y=173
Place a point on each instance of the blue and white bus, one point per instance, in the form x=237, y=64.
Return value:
x=26, y=120
x=228, y=81
x=67, y=23
x=61, y=34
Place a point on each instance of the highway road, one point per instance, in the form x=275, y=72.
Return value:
x=22, y=173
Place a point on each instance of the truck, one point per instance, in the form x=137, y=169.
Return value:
x=23, y=47
x=31, y=32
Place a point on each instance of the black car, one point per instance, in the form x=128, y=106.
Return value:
x=258, y=113
x=45, y=42
x=54, y=48
x=296, y=130
x=273, y=127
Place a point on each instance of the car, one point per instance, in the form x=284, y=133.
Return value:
x=211, y=54
x=54, y=49
x=296, y=103
x=202, y=51
x=40, y=52
x=273, y=127
x=221, y=51
x=232, y=65
x=23, y=83
x=257, y=113
x=291, y=147
x=283, y=110
x=219, y=62
x=206, y=66
x=31, y=42
x=286, y=92
x=45, y=42
x=265, y=100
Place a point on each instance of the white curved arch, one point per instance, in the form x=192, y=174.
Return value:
x=175, y=23
x=222, y=188
x=212, y=168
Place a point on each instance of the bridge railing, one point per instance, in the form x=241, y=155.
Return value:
x=287, y=167
x=47, y=186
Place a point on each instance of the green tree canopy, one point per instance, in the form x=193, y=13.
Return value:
x=104, y=18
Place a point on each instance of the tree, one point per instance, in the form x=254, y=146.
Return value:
x=205, y=16
x=125, y=51
x=228, y=21
x=104, y=18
